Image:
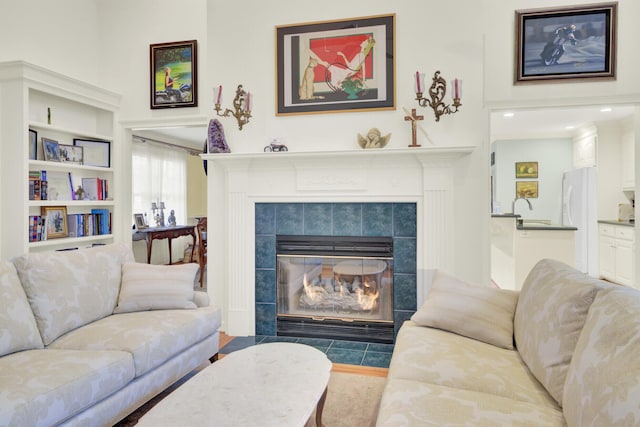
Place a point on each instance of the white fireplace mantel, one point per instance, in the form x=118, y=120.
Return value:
x=237, y=181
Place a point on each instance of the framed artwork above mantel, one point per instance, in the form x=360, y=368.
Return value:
x=336, y=66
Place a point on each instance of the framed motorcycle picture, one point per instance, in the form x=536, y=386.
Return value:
x=173, y=69
x=566, y=43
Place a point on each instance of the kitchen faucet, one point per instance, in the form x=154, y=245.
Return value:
x=513, y=204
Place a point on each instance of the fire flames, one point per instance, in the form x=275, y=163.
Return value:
x=341, y=294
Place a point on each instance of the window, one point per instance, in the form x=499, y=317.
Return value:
x=159, y=174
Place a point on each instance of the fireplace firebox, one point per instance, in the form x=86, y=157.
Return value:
x=335, y=287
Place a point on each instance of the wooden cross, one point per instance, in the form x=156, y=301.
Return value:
x=414, y=126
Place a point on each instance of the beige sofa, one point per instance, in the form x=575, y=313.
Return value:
x=88, y=336
x=564, y=352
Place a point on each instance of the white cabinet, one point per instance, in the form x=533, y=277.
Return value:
x=60, y=109
x=514, y=250
x=617, y=249
x=628, y=160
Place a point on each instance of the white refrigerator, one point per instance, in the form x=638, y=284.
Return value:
x=579, y=210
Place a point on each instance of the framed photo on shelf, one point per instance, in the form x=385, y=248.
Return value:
x=33, y=144
x=526, y=169
x=336, y=66
x=566, y=43
x=50, y=150
x=174, y=68
x=94, y=152
x=56, y=221
x=528, y=189
x=71, y=154
x=139, y=221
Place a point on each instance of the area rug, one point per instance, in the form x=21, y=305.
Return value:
x=352, y=400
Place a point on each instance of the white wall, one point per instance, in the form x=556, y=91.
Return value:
x=554, y=157
x=59, y=35
x=106, y=42
x=609, y=161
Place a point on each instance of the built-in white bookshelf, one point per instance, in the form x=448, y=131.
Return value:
x=64, y=110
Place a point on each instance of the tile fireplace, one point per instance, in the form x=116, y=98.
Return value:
x=252, y=197
x=336, y=286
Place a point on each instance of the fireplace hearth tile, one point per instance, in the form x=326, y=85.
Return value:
x=345, y=356
x=319, y=343
x=318, y=219
x=377, y=219
x=378, y=360
x=266, y=251
x=349, y=345
x=404, y=220
x=265, y=319
x=266, y=286
x=238, y=343
x=380, y=348
x=347, y=219
x=343, y=352
x=288, y=218
x=404, y=255
x=279, y=339
x=265, y=218
x=404, y=292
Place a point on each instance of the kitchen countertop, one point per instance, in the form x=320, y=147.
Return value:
x=534, y=224
x=615, y=222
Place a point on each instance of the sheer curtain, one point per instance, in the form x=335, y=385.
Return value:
x=159, y=174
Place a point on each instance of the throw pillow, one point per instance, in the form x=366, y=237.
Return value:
x=553, y=305
x=70, y=289
x=479, y=312
x=156, y=287
x=18, y=330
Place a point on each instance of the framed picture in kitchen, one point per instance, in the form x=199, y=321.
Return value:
x=526, y=170
x=528, y=189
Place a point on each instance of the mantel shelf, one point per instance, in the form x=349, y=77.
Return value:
x=420, y=153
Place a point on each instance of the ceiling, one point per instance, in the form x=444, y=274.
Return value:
x=191, y=137
x=550, y=122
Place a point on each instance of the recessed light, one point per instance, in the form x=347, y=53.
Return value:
x=606, y=110
x=570, y=127
x=508, y=115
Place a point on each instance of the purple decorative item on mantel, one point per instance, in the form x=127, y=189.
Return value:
x=215, y=138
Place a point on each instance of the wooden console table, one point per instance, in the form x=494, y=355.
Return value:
x=159, y=233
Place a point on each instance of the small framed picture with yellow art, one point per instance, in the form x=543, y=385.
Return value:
x=528, y=189
x=526, y=169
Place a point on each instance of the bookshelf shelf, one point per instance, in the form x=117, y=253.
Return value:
x=62, y=166
x=70, y=241
x=79, y=203
x=62, y=109
x=38, y=126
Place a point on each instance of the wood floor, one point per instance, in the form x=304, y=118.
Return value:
x=337, y=367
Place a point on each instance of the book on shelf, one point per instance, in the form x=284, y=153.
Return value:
x=103, y=220
x=37, y=228
x=38, y=185
x=95, y=223
x=95, y=188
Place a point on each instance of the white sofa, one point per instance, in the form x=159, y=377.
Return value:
x=67, y=359
x=564, y=352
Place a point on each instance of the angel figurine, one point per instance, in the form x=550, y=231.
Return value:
x=374, y=139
